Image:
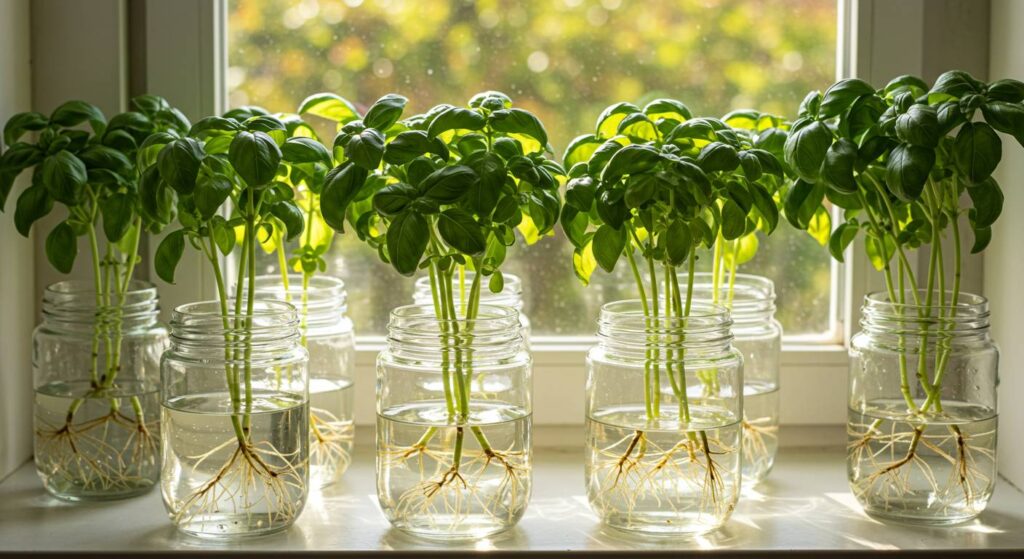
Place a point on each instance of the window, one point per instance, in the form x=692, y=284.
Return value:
x=565, y=60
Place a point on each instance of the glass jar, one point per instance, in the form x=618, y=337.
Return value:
x=664, y=405
x=97, y=392
x=454, y=408
x=235, y=419
x=328, y=336
x=511, y=295
x=758, y=336
x=922, y=416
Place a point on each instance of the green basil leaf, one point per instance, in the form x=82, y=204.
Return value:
x=802, y=202
x=1006, y=90
x=608, y=246
x=805, y=149
x=385, y=112
x=518, y=121
x=734, y=220
x=62, y=247
x=840, y=239
x=448, y=184
x=168, y=254
x=255, y=157
x=718, y=156
x=20, y=123
x=919, y=126
x=907, y=170
x=305, y=150
x=497, y=282
x=987, y=199
x=579, y=193
x=629, y=160
x=837, y=169
x=977, y=151
x=291, y=216
x=340, y=187
x=32, y=205
x=64, y=176
x=609, y=119
x=880, y=251
x=461, y=232
x=841, y=95
x=366, y=149
x=765, y=205
x=329, y=106
x=580, y=149
x=678, y=241
x=484, y=193
x=179, y=163
x=117, y=211
x=456, y=118
x=394, y=198
x=407, y=238
x=1005, y=117
x=412, y=144
x=74, y=113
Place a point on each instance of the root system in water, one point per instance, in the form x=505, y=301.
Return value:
x=231, y=487
x=331, y=431
x=663, y=479
x=454, y=481
x=923, y=469
x=96, y=446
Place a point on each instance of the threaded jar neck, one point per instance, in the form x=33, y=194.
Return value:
x=750, y=303
x=511, y=294
x=74, y=305
x=321, y=302
x=625, y=329
x=969, y=318
x=272, y=327
x=416, y=333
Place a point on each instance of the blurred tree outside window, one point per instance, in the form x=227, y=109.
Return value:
x=565, y=60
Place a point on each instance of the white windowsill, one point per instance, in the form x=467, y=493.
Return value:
x=804, y=505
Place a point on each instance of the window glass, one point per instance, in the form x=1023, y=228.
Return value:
x=565, y=60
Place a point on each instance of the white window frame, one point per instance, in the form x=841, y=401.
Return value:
x=813, y=376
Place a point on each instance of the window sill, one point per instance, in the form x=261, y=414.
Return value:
x=805, y=505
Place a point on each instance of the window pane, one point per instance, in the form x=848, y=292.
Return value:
x=565, y=60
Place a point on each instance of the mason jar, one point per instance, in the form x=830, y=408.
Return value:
x=95, y=368
x=454, y=405
x=327, y=334
x=511, y=295
x=664, y=407
x=922, y=413
x=236, y=420
x=758, y=336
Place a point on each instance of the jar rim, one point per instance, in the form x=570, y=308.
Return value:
x=628, y=314
x=488, y=315
x=71, y=288
x=976, y=304
x=273, y=314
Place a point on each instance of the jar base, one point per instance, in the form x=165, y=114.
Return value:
x=665, y=525
x=99, y=496
x=462, y=528
x=232, y=526
x=918, y=520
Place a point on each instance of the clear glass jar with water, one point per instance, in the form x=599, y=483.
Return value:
x=664, y=408
x=454, y=408
x=235, y=419
x=327, y=334
x=96, y=373
x=922, y=417
x=758, y=336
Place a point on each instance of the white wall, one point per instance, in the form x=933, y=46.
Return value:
x=17, y=311
x=1004, y=266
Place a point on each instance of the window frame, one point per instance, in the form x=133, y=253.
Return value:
x=813, y=368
